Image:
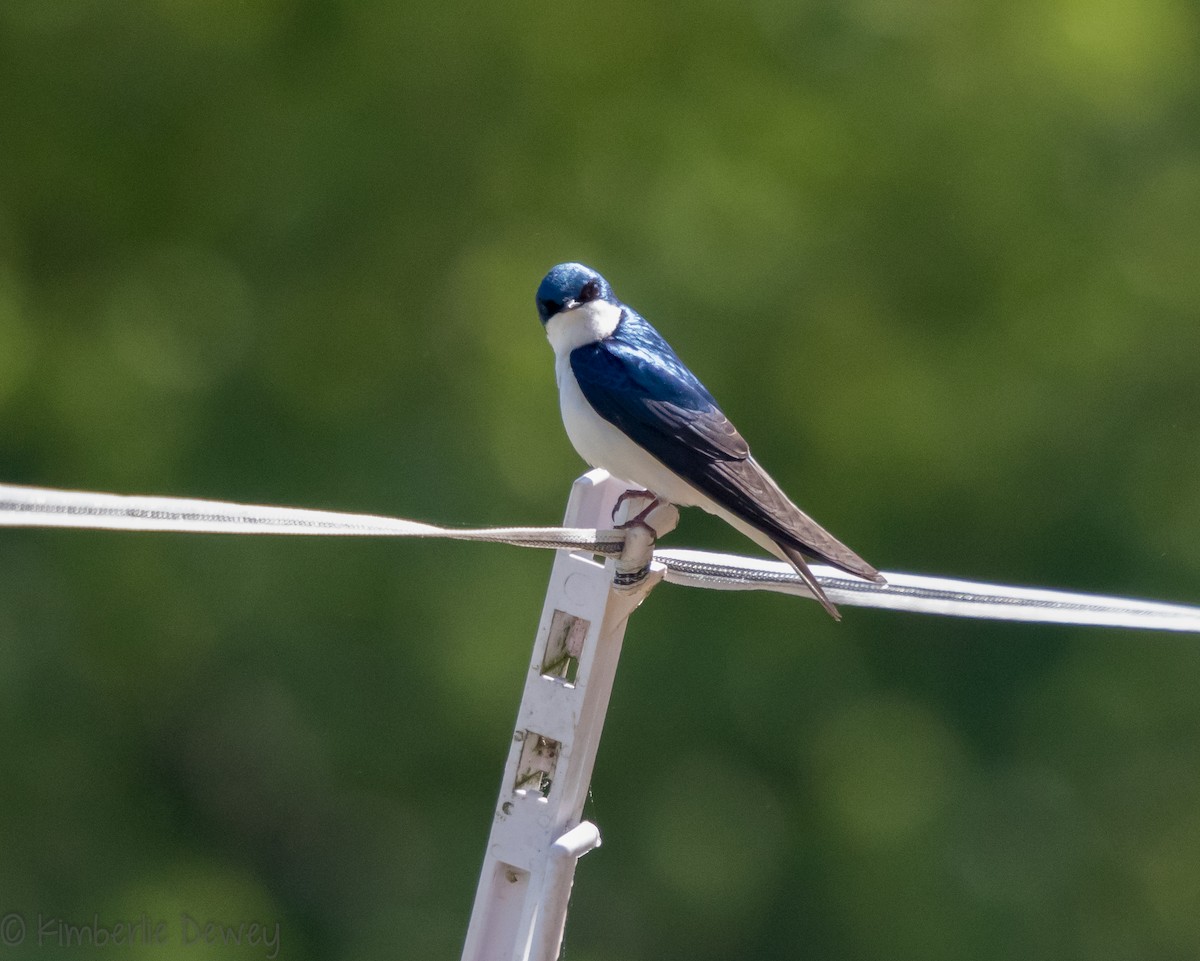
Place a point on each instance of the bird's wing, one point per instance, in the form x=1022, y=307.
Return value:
x=747, y=490
x=638, y=384
x=635, y=382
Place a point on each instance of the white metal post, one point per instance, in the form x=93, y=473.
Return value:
x=536, y=838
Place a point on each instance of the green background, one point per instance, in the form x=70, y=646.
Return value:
x=941, y=263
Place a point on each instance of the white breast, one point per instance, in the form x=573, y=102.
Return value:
x=602, y=444
x=598, y=442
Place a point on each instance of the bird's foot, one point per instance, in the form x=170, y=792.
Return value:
x=654, y=503
x=630, y=495
x=641, y=531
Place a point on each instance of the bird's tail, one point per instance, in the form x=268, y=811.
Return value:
x=796, y=559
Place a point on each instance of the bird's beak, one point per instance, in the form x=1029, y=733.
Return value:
x=569, y=304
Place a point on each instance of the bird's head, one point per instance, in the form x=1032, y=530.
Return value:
x=569, y=286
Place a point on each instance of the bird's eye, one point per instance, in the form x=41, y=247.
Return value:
x=589, y=291
x=551, y=307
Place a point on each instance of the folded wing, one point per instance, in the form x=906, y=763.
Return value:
x=637, y=383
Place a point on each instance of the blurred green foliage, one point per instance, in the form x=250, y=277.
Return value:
x=940, y=262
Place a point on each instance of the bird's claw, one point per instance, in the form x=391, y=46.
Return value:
x=633, y=566
x=641, y=531
x=640, y=516
x=629, y=495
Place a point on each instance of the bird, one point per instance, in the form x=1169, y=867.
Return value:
x=633, y=408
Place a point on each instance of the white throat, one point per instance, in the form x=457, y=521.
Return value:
x=584, y=325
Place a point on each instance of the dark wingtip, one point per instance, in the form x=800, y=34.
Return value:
x=866, y=572
x=861, y=569
x=825, y=602
x=797, y=561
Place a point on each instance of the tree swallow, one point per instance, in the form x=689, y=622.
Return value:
x=631, y=407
